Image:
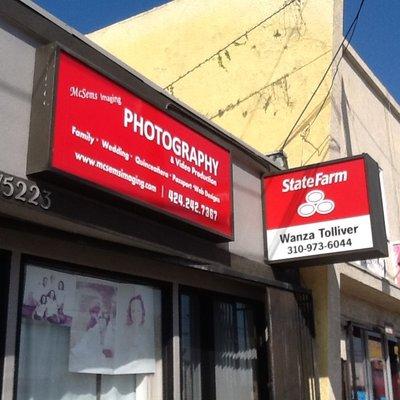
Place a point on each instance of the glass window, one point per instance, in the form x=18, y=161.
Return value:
x=218, y=349
x=378, y=366
x=84, y=338
x=369, y=368
x=360, y=378
x=190, y=348
x=345, y=364
x=394, y=356
x=4, y=289
x=235, y=351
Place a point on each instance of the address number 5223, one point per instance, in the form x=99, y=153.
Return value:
x=18, y=189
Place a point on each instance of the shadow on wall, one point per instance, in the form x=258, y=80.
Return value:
x=345, y=121
x=15, y=91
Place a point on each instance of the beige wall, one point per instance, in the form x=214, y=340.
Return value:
x=366, y=119
x=257, y=87
x=357, y=310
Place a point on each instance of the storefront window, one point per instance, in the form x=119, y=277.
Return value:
x=190, y=348
x=218, y=349
x=394, y=356
x=4, y=285
x=84, y=338
x=235, y=352
x=370, y=369
x=360, y=378
x=377, y=365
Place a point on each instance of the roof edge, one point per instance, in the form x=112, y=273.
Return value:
x=371, y=79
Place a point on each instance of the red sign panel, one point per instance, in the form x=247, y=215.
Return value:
x=109, y=137
x=339, y=182
x=318, y=210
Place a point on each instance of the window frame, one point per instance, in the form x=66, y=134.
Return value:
x=377, y=335
x=5, y=263
x=395, y=340
x=365, y=333
x=260, y=324
x=113, y=276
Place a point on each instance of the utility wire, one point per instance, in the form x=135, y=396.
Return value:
x=349, y=33
x=243, y=35
x=334, y=75
x=259, y=91
x=304, y=137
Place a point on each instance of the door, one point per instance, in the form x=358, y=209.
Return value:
x=291, y=346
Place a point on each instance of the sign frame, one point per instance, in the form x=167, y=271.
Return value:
x=41, y=136
x=379, y=248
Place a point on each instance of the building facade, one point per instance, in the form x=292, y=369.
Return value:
x=368, y=121
x=329, y=332
x=253, y=71
x=106, y=298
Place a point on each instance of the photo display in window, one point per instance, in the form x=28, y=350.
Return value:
x=49, y=296
x=111, y=324
x=92, y=340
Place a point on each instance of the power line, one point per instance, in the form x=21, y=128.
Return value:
x=234, y=41
x=260, y=90
x=349, y=33
x=304, y=137
x=334, y=76
x=318, y=149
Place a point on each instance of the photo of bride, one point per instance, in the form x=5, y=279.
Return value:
x=113, y=328
x=93, y=328
x=135, y=341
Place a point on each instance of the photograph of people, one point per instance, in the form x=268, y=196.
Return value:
x=52, y=307
x=60, y=295
x=136, y=313
x=34, y=291
x=90, y=345
x=135, y=337
x=52, y=282
x=43, y=284
x=37, y=292
x=40, y=311
x=107, y=334
x=93, y=328
x=54, y=289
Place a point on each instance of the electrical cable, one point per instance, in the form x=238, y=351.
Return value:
x=243, y=35
x=349, y=33
x=333, y=77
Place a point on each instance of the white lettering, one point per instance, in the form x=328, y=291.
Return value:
x=128, y=117
x=320, y=179
x=172, y=143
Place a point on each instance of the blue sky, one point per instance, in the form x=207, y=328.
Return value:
x=89, y=15
x=377, y=38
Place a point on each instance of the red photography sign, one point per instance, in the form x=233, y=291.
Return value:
x=105, y=135
x=327, y=209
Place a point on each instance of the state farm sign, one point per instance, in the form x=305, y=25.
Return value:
x=327, y=212
x=107, y=137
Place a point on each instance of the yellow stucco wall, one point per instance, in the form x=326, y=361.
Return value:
x=257, y=86
x=317, y=280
